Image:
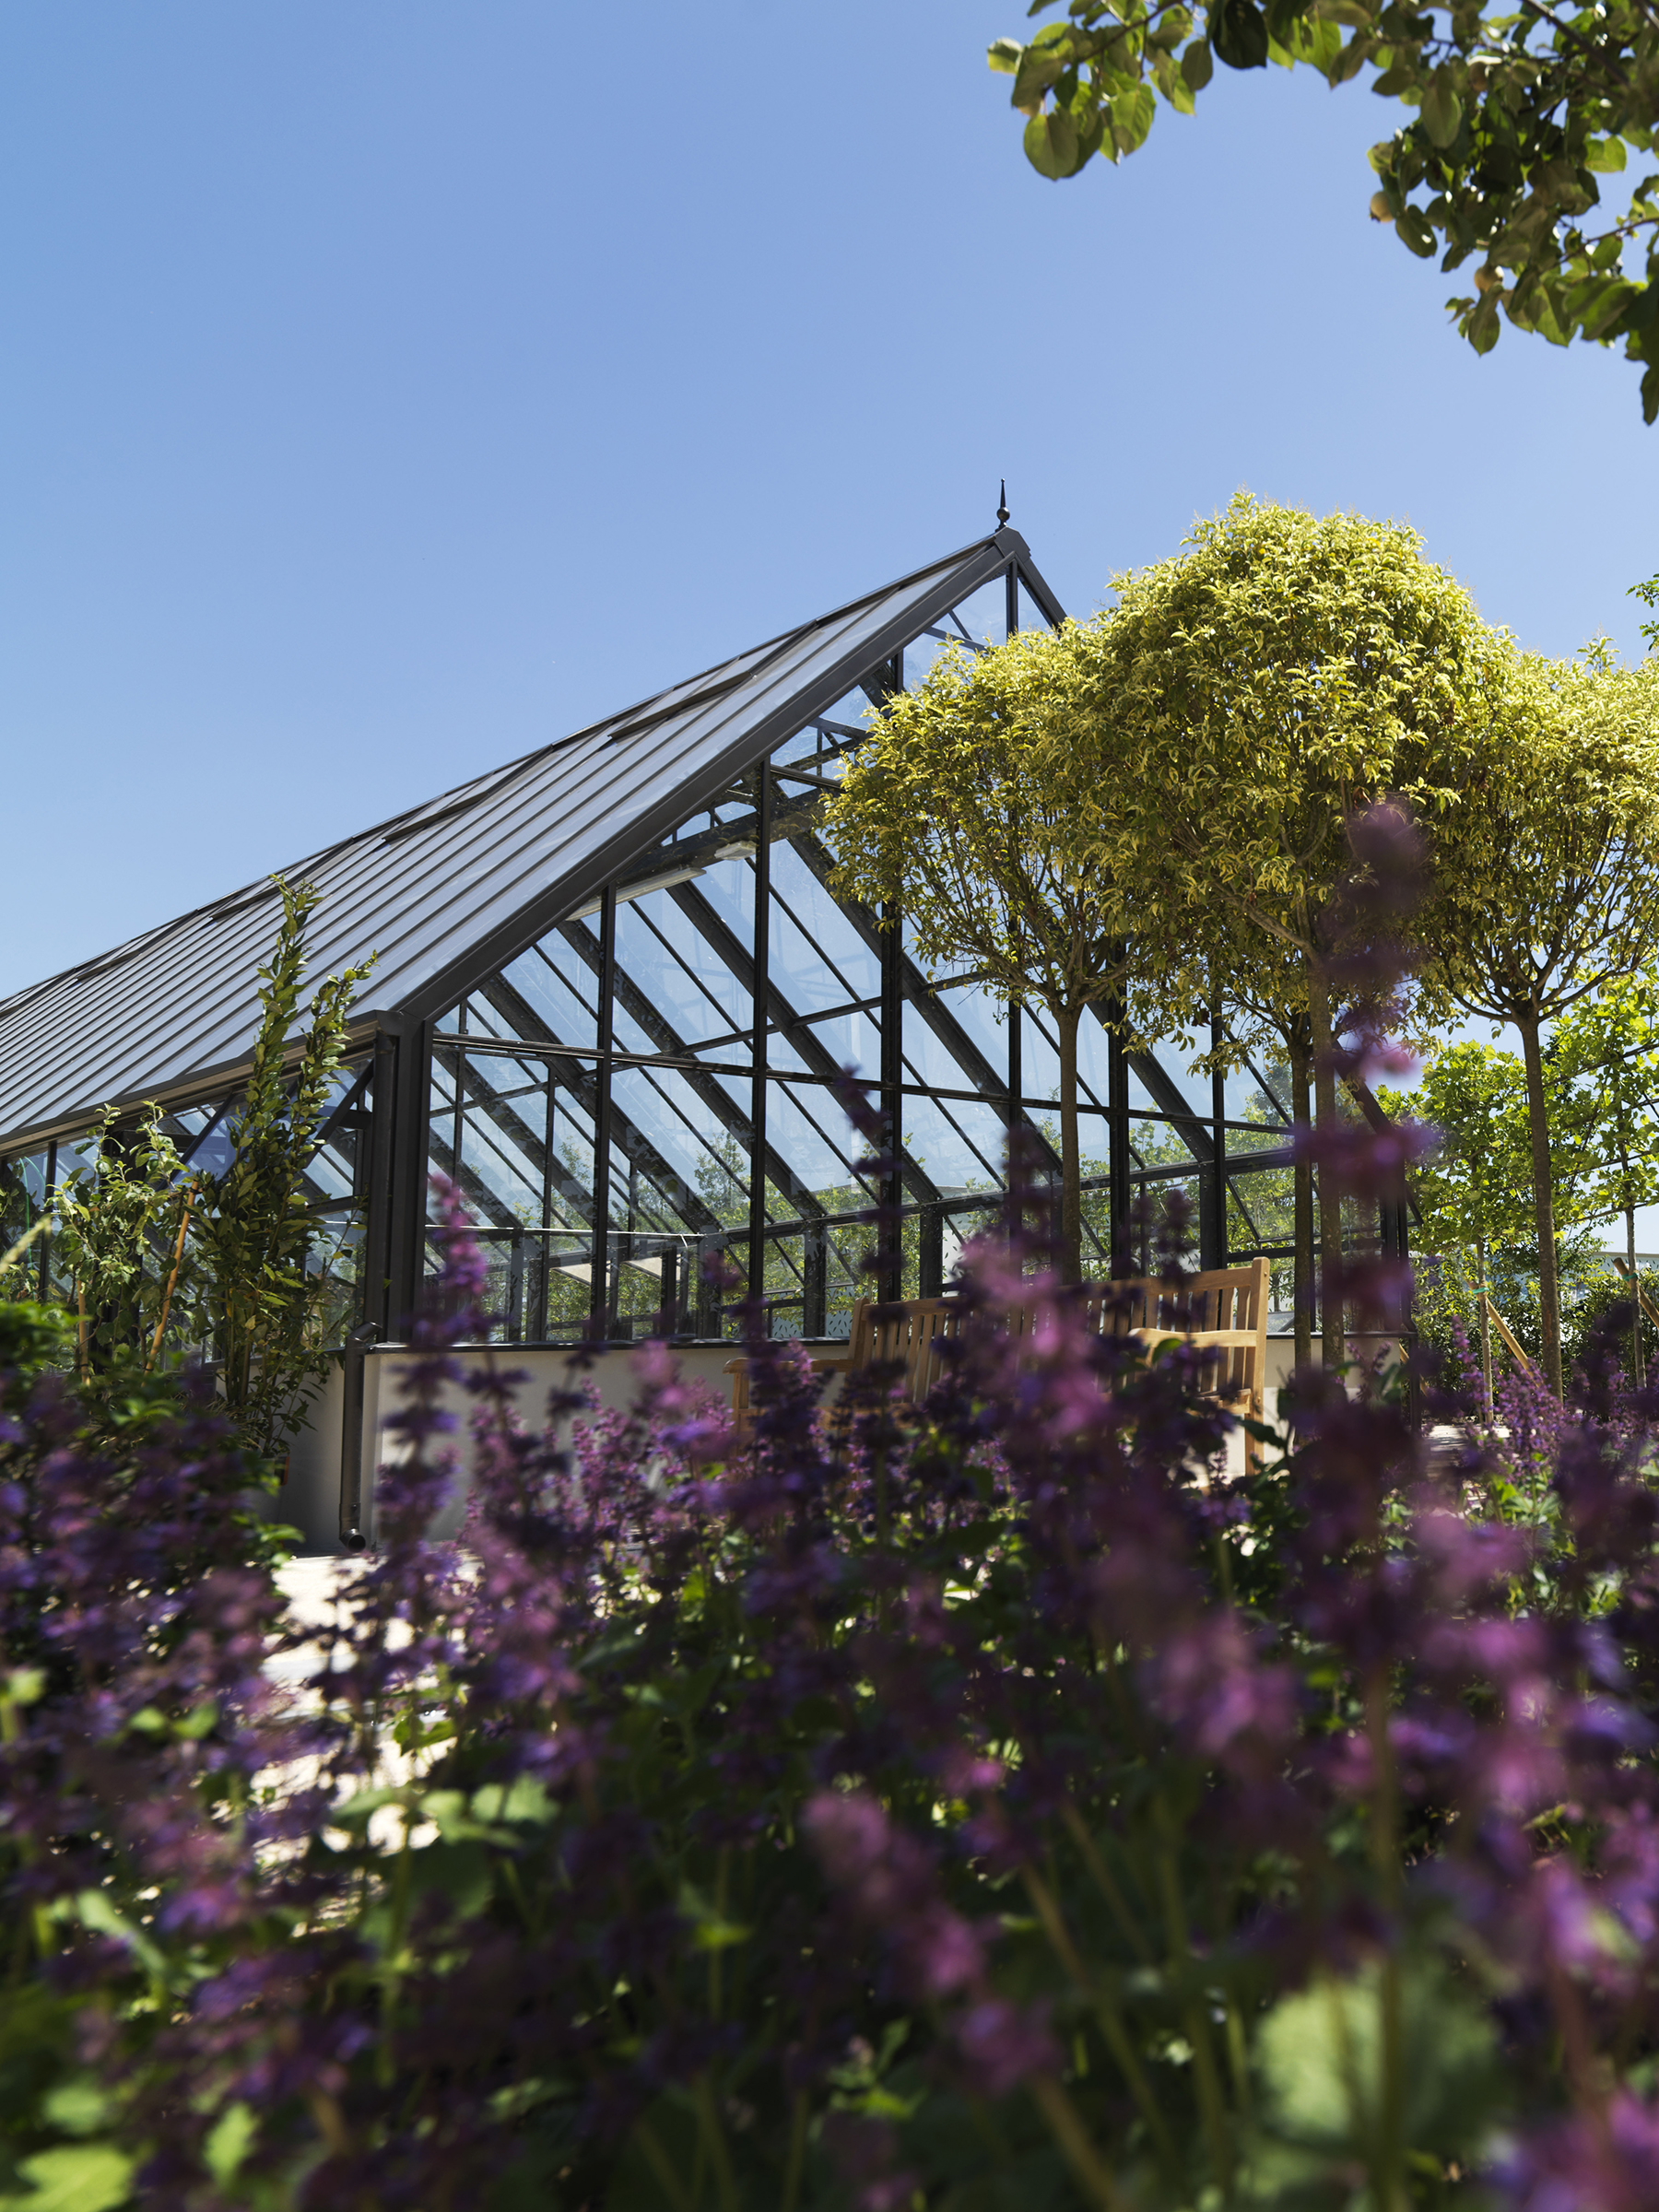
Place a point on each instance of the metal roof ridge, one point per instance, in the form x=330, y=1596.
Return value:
x=491, y=781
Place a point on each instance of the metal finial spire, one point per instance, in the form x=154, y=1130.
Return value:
x=1002, y=513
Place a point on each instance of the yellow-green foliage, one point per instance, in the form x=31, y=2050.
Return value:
x=1250, y=695
x=975, y=803
x=1556, y=886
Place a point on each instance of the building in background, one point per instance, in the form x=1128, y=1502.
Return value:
x=614, y=994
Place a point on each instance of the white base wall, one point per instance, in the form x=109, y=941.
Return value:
x=309, y=1500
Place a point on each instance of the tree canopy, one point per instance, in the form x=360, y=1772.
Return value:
x=974, y=805
x=1519, y=114
x=1555, y=893
x=1255, y=694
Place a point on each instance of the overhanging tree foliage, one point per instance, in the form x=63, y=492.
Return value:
x=1555, y=894
x=1519, y=114
x=976, y=806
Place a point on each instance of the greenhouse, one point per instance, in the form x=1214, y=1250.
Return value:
x=614, y=993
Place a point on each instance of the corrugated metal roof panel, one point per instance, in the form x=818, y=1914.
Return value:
x=444, y=886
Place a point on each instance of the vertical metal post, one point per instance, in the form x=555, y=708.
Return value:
x=406, y=1187
x=50, y=1193
x=758, y=1010
x=892, y=1096
x=1212, y=1242
x=458, y=1135
x=814, y=1279
x=376, y=1216
x=515, y=1288
x=543, y=1272
x=597, y=1301
x=1016, y=1086
x=1013, y=599
x=1117, y=1130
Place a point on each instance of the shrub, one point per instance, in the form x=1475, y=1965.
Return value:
x=1002, y=1810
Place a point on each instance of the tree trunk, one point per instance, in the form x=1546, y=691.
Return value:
x=1302, y=1113
x=1330, y=1199
x=1549, y=1291
x=1071, y=1170
x=1636, y=1315
x=1486, y=1326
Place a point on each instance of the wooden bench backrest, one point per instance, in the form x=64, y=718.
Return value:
x=911, y=1333
x=1223, y=1310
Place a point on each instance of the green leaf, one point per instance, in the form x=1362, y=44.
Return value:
x=1442, y=110
x=79, y=2107
x=1197, y=66
x=1320, y=2056
x=1412, y=225
x=96, y=1910
x=1051, y=144
x=1132, y=117
x=1036, y=72
x=1238, y=31
x=1483, y=327
x=227, y=2142
x=76, y=2177
x=1607, y=154
x=1004, y=56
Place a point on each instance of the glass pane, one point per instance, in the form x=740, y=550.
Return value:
x=674, y=955
x=817, y=959
x=551, y=993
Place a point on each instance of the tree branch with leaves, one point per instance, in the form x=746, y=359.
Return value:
x=1519, y=114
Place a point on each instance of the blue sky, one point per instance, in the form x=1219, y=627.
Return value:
x=386, y=389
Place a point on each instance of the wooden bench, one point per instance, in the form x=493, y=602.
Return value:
x=1223, y=1312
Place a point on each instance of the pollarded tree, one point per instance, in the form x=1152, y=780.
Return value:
x=1609, y=1047
x=1248, y=701
x=975, y=804
x=1556, y=892
x=1473, y=1191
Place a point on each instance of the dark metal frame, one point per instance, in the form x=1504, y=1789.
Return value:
x=750, y=795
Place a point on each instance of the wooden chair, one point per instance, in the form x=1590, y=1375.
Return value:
x=1223, y=1312
x=911, y=1332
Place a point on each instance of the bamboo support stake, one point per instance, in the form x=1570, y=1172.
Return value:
x=178, y=1256
x=1642, y=1299
x=1509, y=1337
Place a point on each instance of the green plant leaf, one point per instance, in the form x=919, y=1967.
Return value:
x=1319, y=2053
x=75, y=2177
x=1238, y=31
x=1442, y=110
x=1051, y=144
x=227, y=2142
x=1002, y=54
x=1412, y=225
x=1198, y=65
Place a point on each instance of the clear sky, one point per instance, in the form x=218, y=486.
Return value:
x=386, y=389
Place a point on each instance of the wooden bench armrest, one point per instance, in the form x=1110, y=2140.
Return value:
x=1242, y=1338
x=735, y=1367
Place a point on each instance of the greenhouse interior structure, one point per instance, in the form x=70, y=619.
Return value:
x=615, y=995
